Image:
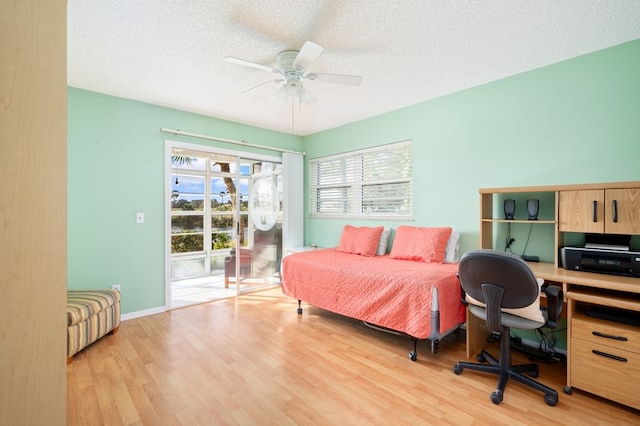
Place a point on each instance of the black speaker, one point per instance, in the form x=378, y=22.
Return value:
x=509, y=209
x=532, y=209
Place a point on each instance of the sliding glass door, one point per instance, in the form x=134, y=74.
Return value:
x=225, y=224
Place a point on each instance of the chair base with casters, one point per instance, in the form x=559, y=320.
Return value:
x=523, y=373
x=501, y=289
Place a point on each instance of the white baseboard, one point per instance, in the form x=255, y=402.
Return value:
x=143, y=313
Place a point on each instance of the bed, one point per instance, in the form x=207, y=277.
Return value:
x=404, y=291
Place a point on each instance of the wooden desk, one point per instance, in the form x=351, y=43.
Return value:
x=621, y=383
x=568, y=211
x=568, y=278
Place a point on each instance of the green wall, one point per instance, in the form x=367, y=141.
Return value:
x=572, y=122
x=115, y=169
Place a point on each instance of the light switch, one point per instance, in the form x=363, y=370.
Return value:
x=139, y=217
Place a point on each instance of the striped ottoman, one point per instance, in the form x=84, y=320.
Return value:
x=90, y=315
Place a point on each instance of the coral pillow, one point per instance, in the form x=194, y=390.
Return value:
x=361, y=240
x=421, y=244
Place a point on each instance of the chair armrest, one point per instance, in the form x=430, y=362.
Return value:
x=554, y=304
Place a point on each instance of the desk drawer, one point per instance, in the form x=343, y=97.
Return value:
x=605, y=371
x=615, y=335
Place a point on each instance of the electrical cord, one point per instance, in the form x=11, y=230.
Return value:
x=527, y=242
x=547, y=343
x=508, y=239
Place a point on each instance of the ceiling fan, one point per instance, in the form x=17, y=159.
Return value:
x=293, y=71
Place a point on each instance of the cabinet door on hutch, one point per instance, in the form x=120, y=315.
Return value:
x=581, y=211
x=622, y=211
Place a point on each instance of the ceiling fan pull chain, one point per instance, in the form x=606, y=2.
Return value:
x=292, y=119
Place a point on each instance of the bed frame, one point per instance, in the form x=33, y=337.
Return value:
x=408, y=298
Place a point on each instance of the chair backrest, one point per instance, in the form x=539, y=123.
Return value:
x=502, y=269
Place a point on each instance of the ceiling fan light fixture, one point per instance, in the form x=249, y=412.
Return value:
x=281, y=94
x=287, y=91
x=293, y=89
x=306, y=96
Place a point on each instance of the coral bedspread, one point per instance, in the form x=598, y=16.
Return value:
x=391, y=293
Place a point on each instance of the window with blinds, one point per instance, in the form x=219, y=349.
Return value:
x=370, y=183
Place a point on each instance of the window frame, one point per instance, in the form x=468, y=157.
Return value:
x=348, y=175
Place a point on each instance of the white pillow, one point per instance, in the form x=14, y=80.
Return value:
x=384, y=242
x=453, y=245
x=531, y=312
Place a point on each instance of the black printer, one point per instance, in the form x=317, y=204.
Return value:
x=602, y=256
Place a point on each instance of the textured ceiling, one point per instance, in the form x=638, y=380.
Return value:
x=170, y=52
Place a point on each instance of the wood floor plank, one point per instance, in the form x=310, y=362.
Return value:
x=255, y=361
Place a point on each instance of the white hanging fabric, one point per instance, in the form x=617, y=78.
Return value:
x=293, y=201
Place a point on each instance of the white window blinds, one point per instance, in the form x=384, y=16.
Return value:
x=371, y=183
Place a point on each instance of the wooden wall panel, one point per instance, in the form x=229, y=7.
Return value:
x=33, y=212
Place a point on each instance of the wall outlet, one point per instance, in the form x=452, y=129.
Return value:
x=115, y=287
x=139, y=217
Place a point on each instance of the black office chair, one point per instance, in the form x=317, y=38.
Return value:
x=501, y=280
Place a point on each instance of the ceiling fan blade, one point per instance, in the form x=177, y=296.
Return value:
x=250, y=64
x=307, y=55
x=351, y=80
x=277, y=80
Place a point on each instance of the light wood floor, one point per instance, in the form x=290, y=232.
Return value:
x=254, y=361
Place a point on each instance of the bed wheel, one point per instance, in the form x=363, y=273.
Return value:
x=299, y=311
x=413, y=355
x=299, y=307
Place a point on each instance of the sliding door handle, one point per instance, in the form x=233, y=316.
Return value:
x=614, y=208
x=595, y=211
